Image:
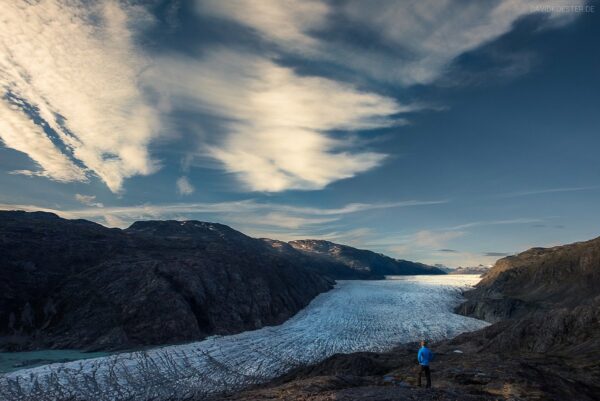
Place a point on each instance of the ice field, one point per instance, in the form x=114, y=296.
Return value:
x=355, y=316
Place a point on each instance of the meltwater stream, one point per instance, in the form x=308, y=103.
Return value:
x=355, y=316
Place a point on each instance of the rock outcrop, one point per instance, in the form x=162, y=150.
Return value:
x=537, y=280
x=77, y=284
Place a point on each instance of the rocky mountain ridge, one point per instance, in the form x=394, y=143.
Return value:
x=537, y=280
x=361, y=260
x=77, y=284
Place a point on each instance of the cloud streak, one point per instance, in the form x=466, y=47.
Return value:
x=184, y=186
x=88, y=200
x=420, y=38
x=275, y=123
x=75, y=84
x=19, y=132
x=247, y=212
x=496, y=254
x=547, y=191
x=75, y=67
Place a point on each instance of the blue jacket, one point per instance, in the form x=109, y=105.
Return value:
x=425, y=356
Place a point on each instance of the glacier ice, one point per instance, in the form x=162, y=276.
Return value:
x=354, y=316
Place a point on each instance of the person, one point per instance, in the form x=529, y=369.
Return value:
x=425, y=356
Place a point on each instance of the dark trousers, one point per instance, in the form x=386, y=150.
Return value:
x=424, y=369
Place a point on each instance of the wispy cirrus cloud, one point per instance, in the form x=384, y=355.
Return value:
x=522, y=220
x=184, y=186
x=436, y=245
x=418, y=39
x=74, y=67
x=275, y=122
x=248, y=213
x=73, y=75
x=446, y=250
x=496, y=254
x=88, y=200
x=547, y=191
x=424, y=240
x=19, y=132
x=286, y=221
x=286, y=22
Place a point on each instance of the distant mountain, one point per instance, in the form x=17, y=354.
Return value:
x=362, y=261
x=443, y=268
x=481, y=269
x=321, y=264
x=77, y=284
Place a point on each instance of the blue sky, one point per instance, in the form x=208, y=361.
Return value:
x=432, y=131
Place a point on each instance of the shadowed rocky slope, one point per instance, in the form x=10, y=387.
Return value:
x=361, y=261
x=537, y=280
x=545, y=344
x=77, y=284
x=324, y=265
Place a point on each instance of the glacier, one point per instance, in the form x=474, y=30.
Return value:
x=354, y=316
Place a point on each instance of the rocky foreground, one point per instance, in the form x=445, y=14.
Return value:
x=544, y=345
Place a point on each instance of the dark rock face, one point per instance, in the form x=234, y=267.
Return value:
x=77, y=284
x=544, y=300
x=537, y=280
x=362, y=261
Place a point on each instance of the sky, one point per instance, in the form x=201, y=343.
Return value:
x=450, y=132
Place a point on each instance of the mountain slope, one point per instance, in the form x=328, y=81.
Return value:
x=77, y=284
x=321, y=263
x=362, y=261
x=538, y=279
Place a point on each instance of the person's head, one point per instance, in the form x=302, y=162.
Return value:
x=423, y=343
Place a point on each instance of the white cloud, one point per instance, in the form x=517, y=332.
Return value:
x=284, y=21
x=247, y=212
x=276, y=121
x=114, y=221
x=19, y=132
x=424, y=240
x=524, y=220
x=432, y=32
x=89, y=200
x=547, y=191
x=184, y=186
x=422, y=37
x=76, y=64
x=279, y=220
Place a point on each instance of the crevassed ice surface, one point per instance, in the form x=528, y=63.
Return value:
x=355, y=316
